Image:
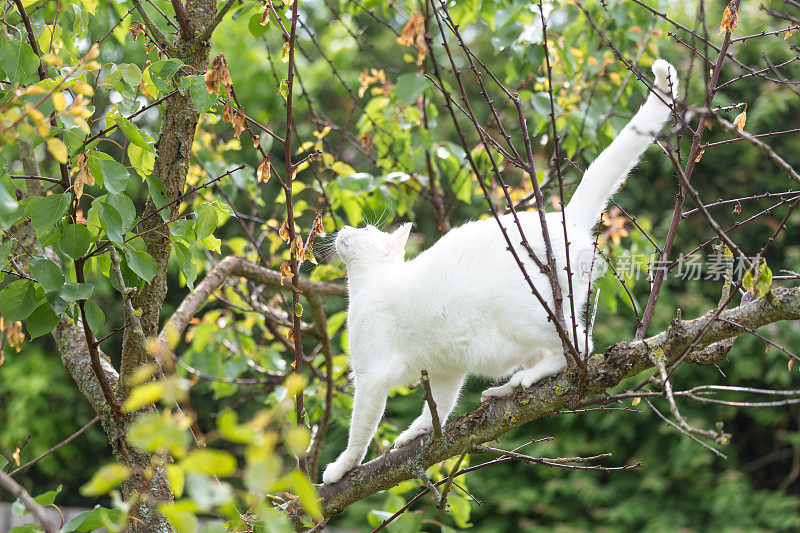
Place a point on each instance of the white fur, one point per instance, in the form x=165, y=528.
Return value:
x=462, y=306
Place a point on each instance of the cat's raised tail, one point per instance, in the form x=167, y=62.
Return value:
x=607, y=172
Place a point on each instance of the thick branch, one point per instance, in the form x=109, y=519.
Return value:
x=492, y=419
x=233, y=266
x=16, y=490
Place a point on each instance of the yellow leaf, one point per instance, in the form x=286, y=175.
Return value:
x=144, y=395
x=176, y=479
x=788, y=34
x=636, y=401
x=90, y=5
x=297, y=439
x=285, y=52
x=323, y=133
x=284, y=88
x=83, y=88
x=105, y=479
x=53, y=59
x=740, y=119
x=59, y=150
x=700, y=155
x=210, y=462
x=59, y=101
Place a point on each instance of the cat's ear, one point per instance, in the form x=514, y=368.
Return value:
x=399, y=237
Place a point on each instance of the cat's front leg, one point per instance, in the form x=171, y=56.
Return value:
x=445, y=393
x=368, y=405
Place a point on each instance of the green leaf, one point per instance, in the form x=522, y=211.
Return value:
x=46, y=273
x=161, y=72
x=72, y=292
x=205, y=220
x=142, y=159
x=90, y=5
x=18, y=300
x=201, y=98
x=210, y=462
x=141, y=263
x=19, y=510
x=18, y=61
x=232, y=431
x=75, y=240
x=158, y=192
x=747, y=281
x=130, y=73
x=183, y=229
x=8, y=208
x=115, y=176
x=764, y=281
x=94, y=315
x=153, y=432
x=343, y=169
x=298, y=483
x=188, y=268
x=111, y=222
x=49, y=210
x=92, y=520
x=409, y=87
x=132, y=132
x=105, y=479
x=41, y=321
x=124, y=206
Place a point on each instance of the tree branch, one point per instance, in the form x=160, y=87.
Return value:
x=232, y=266
x=16, y=490
x=494, y=418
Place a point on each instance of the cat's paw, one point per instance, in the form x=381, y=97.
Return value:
x=410, y=434
x=497, y=392
x=337, y=469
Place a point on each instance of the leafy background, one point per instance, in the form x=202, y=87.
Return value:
x=681, y=486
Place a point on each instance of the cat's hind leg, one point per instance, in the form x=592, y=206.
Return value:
x=445, y=393
x=550, y=365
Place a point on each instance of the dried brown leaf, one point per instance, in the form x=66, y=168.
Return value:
x=283, y=233
x=227, y=112
x=286, y=271
x=728, y=23
x=264, y=171
x=238, y=123
x=413, y=34
x=218, y=74
x=265, y=15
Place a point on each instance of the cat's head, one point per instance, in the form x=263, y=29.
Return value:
x=370, y=246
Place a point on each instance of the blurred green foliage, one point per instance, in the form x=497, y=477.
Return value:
x=392, y=141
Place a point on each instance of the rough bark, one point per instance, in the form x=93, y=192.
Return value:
x=494, y=418
x=74, y=350
x=173, y=152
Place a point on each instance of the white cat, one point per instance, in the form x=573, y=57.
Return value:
x=462, y=306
